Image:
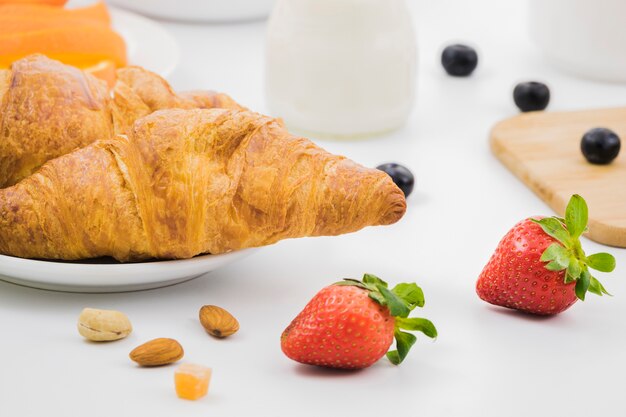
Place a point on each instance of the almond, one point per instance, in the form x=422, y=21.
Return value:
x=217, y=321
x=157, y=352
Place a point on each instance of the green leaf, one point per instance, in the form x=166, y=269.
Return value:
x=404, y=342
x=378, y=297
x=554, y=251
x=596, y=287
x=573, y=270
x=604, y=291
x=557, y=256
x=555, y=266
x=576, y=216
x=582, y=285
x=602, y=262
x=397, y=306
x=553, y=227
x=418, y=324
x=393, y=357
x=557, y=253
x=373, y=279
x=411, y=294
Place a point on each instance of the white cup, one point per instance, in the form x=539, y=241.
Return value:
x=582, y=37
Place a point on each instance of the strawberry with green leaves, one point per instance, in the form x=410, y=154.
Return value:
x=540, y=267
x=351, y=324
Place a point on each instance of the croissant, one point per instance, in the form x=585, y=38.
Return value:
x=187, y=182
x=48, y=109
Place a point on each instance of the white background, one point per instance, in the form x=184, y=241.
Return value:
x=486, y=362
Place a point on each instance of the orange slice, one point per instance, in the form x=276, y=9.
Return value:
x=97, y=11
x=79, y=37
x=57, y=3
x=10, y=25
x=78, y=45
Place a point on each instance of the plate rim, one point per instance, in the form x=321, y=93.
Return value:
x=215, y=17
x=109, y=275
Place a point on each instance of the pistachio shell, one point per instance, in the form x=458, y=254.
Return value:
x=103, y=325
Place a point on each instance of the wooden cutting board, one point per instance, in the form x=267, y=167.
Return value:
x=543, y=150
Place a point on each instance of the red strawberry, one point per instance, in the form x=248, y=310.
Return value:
x=351, y=324
x=540, y=267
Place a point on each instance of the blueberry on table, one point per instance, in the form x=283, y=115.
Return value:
x=459, y=60
x=531, y=96
x=400, y=175
x=600, y=146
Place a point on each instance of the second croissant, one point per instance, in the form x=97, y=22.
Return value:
x=48, y=109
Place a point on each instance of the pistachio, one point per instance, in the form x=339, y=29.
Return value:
x=103, y=325
x=217, y=321
x=157, y=352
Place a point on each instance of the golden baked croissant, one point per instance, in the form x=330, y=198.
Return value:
x=48, y=109
x=187, y=182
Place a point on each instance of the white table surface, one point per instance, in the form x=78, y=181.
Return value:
x=486, y=361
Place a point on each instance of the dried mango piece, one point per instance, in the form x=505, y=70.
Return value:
x=192, y=381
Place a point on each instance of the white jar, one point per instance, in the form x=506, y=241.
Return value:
x=341, y=67
x=583, y=37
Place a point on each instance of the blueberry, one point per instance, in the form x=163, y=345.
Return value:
x=400, y=175
x=600, y=145
x=531, y=96
x=459, y=60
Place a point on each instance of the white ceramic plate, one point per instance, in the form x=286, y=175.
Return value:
x=200, y=10
x=109, y=276
x=149, y=45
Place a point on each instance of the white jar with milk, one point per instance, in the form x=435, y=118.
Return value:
x=341, y=68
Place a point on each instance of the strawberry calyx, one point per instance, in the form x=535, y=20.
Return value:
x=568, y=254
x=400, y=300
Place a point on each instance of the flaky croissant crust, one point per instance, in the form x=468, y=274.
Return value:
x=48, y=109
x=186, y=182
